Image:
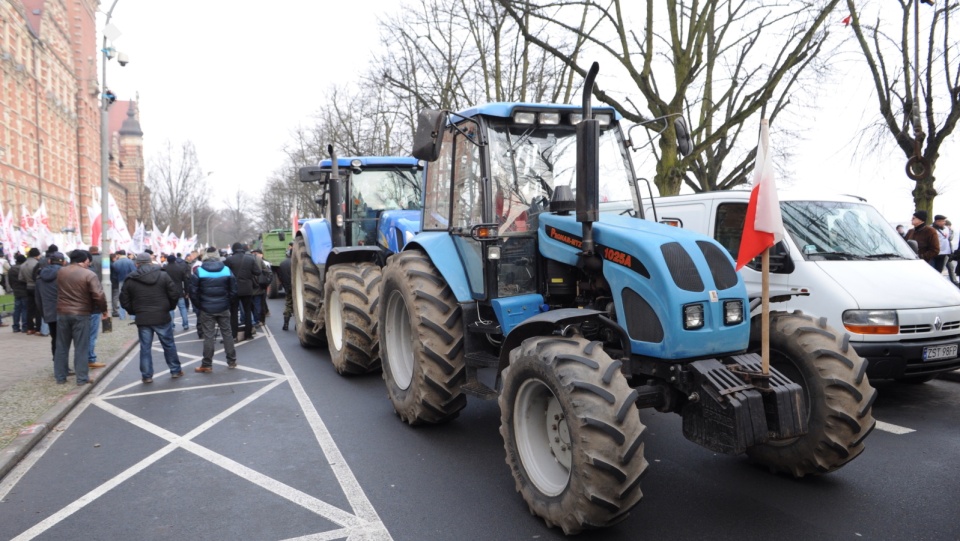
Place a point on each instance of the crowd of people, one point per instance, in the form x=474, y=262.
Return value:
x=936, y=243
x=60, y=296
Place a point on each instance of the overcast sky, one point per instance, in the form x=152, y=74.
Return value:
x=237, y=81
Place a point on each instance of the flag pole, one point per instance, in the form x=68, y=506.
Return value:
x=765, y=314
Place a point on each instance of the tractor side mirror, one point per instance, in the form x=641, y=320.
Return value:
x=310, y=173
x=684, y=145
x=281, y=236
x=426, y=142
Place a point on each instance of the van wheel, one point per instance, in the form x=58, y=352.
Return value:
x=838, y=396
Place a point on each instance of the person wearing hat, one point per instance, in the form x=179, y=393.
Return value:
x=46, y=296
x=150, y=295
x=78, y=293
x=213, y=287
x=943, y=237
x=28, y=278
x=245, y=267
x=928, y=241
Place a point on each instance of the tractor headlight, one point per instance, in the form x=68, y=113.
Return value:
x=550, y=118
x=871, y=321
x=692, y=316
x=732, y=312
x=493, y=252
x=524, y=117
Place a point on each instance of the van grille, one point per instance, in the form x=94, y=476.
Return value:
x=926, y=327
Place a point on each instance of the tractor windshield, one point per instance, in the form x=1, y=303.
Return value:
x=373, y=191
x=528, y=162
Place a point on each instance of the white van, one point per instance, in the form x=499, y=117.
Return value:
x=858, y=272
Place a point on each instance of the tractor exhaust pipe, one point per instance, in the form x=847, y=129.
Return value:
x=337, y=205
x=588, y=167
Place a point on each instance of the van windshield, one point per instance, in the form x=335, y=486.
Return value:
x=831, y=230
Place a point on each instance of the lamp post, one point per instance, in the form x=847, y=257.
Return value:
x=208, y=228
x=105, y=100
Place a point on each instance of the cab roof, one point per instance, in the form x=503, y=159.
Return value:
x=373, y=161
x=506, y=109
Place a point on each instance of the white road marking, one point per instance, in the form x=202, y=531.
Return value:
x=363, y=523
x=893, y=429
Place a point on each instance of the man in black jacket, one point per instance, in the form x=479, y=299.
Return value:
x=150, y=294
x=212, y=290
x=247, y=270
x=180, y=273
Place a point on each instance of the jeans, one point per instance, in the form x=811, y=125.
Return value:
x=44, y=327
x=117, y=307
x=94, y=333
x=208, y=323
x=114, y=299
x=257, y=310
x=74, y=329
x=182, y=305
x=165, y=335
x=19, y=314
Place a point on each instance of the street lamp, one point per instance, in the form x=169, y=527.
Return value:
x=106, y=98
x=208, y=228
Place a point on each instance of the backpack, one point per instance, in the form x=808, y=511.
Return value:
x=266, y=275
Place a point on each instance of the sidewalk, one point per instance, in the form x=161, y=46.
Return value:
x=31, y=403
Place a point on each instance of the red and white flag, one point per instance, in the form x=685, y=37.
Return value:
x=763, y=226
x=295, y=219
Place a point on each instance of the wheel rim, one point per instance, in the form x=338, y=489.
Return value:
x=398, y=341
x=542, y=437
x=298, y=293
x=335, y=319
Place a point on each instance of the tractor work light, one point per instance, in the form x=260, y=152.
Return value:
x=871, y=321
x=692, y=316
x=732, y=312
x=493, y=252
x=524, y=117
x=605, y=118
x=550, y=118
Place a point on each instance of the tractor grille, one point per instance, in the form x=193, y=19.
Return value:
x=642, y=322
x=724, y=275
x=682, y=269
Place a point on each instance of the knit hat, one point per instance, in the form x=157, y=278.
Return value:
x=237, y=247
x=143, y=258
x=920, y=215
x=211, y=254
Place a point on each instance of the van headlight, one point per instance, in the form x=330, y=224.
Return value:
x=732, y=312
x=871, y=321
x=692, y=316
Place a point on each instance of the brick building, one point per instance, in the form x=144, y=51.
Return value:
x=50, y=115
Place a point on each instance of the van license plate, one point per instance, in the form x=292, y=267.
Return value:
x=933, y=353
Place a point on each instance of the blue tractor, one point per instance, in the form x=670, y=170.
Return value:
x=518, y=289
x=371, y=207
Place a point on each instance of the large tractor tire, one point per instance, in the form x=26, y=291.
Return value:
x=421, y=341
x=307, y=297
x=273, y=290
x=572, y=433
x=838, y=396
x=351, y=299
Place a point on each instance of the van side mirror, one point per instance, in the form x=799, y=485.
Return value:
x=426, y=141
x=684, y=144
x=310, y=173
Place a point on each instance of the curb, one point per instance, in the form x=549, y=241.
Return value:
x=31, y=435
x=951, y=376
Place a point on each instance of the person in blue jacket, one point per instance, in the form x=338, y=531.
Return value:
x=213, y=288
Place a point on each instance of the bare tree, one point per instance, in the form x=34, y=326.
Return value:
x=718, y=62
x=236, y=224
x=178, y=185
x=917, y=84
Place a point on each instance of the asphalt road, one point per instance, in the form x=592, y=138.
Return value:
x=284, y=448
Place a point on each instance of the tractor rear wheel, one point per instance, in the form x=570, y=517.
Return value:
x=352, y=296
x=421, y=341
x=307, y=297
x=838, y=396
x=572, y=433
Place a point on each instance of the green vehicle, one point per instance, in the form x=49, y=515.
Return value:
x=274, y=244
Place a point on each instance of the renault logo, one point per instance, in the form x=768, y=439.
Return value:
x=937, y=324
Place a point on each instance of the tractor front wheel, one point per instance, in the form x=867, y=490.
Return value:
x=838, y=396
x=307, y=297
x=352, y=296
x=572, y=433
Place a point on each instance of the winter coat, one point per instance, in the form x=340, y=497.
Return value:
x=96, y=266
x=26, y=272
x=46, y=292
x=928, y=241
x=284, y=274
x=150, y=294
x=180, y=273
x=18, y=286
x=78, y=292
x=122, y=268
x=212, y=286
x=245, y=267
